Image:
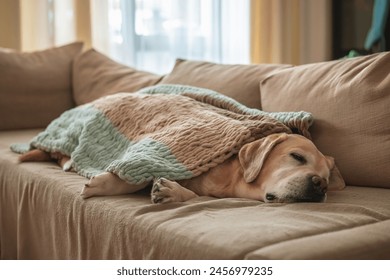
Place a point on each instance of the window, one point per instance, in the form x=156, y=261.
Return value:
x=151, y=34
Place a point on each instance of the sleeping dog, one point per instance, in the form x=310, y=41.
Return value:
x=278, y=168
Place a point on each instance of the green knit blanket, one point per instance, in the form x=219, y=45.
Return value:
x=170, y=131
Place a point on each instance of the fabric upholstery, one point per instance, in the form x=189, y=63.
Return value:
x=42, y=216
x=95, y=75
x=35, y=87
x=350, y=102
x=236, y=81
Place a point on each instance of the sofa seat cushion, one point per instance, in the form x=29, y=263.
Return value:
x=350, y=102
x=42, y=216
x=240, y=82
x=35, y=87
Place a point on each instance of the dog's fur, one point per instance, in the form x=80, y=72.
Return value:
x=278, y=168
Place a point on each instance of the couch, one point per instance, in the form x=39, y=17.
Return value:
x=42, y=215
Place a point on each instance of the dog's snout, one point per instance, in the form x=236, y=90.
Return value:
x=319, y=184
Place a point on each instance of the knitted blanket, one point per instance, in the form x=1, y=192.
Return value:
x=170, y=131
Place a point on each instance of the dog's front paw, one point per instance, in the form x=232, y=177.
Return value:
x=161, y=193
x=164, y=191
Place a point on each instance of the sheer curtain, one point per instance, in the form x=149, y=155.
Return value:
x=151, y=34
x=145, y=34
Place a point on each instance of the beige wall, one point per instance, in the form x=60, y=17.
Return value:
x=10, y=24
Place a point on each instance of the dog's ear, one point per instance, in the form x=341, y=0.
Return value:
x=253, y=155
x=336, y=181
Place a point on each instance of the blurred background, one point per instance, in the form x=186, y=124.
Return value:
x=151, y=34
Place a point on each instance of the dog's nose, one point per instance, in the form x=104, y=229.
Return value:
x=270, y=196
x=319, y=184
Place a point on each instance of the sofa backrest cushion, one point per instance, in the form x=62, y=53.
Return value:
x=35, y=87
x=95, y=75
x=350, y=101
x=240, y=82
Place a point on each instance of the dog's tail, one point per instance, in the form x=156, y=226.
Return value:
x=35, y=155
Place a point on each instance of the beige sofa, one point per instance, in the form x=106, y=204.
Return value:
x=42, y=215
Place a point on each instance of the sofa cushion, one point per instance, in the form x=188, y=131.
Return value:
x=350, y=102
x=240, y=82
x=95, y=75
x=35, y=87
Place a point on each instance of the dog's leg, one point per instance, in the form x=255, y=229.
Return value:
x=109, y=184
x=35, y=155
x=164, y=191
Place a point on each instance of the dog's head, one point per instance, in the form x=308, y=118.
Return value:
x=288, y=168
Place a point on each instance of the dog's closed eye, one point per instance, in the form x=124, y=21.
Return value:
x=298, y=157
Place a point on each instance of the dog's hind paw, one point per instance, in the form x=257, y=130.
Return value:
x=108, y=183
x=93, y=187
x=87, y=191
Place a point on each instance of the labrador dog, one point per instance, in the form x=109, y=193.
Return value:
x=278, y=168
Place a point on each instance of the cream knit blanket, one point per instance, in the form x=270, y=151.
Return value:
x=171, y=131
